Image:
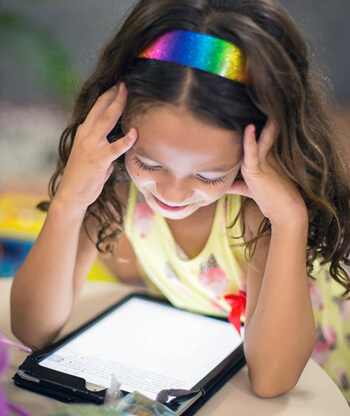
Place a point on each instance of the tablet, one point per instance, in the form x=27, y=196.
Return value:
x=148, y=345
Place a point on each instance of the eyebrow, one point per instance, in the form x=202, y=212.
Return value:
x=221, y=169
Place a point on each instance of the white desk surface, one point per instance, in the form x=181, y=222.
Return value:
x=315, y=394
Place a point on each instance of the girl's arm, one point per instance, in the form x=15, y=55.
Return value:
x=49, y=280
x=280, y=329
x=47, y=285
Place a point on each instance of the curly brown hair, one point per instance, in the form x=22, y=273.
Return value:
x=283, y=88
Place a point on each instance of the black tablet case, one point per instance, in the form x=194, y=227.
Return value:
x=71, y=389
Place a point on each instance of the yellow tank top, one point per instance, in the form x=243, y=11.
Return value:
x=198, y=284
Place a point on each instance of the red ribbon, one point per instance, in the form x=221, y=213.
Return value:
x=238, y=306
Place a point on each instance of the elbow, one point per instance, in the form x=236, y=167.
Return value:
x=18, y=330
x=274, y=380
x=34, y=341
x=20, y=327
x=276, y=376
x=30, y=335
x=35, y=330
x=17, y=325
x=266, y=389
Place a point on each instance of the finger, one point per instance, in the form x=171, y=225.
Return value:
x=100, y=106
x=239, y=187
x=267, y=138
x=111, y=115
x=116, y=149
x=250, y=148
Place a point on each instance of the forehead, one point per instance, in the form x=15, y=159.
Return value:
x=171, y=131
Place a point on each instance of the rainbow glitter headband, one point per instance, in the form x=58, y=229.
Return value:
x=198, y=50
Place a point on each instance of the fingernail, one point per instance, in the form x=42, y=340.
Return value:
x=132, y=135
x=253, y=130
x=122, y=87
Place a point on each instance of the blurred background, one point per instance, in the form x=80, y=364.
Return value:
x=49, y=47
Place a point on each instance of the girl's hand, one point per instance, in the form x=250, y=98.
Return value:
x=90, y=161
x=264, y=180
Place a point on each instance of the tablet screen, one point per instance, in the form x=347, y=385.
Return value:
x=148, y=346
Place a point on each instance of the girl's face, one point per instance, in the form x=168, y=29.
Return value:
x=179, y=163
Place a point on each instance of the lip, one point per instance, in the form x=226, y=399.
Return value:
x=168, y=207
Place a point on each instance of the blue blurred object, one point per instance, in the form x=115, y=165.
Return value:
x=12, y=255
x=20, y=223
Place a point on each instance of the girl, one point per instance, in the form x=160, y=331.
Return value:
x=228, y=181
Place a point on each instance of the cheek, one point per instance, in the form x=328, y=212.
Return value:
x=212, y=193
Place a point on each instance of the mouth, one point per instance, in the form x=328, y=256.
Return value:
x=169, y=207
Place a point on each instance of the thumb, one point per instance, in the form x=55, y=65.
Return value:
x=239, y=187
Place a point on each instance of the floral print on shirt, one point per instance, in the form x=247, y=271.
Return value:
x=143, y=217
x=332, y=318
x=325, y=342
x=213, y=278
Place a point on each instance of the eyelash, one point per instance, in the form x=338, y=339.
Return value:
x=143, y=166
x=213, y=182
x=147, y=168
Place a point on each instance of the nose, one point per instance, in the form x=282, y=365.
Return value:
x=174, y=191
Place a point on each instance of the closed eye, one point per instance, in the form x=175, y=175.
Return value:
x=143, y=166
x=207, y=181
x=214, y=182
